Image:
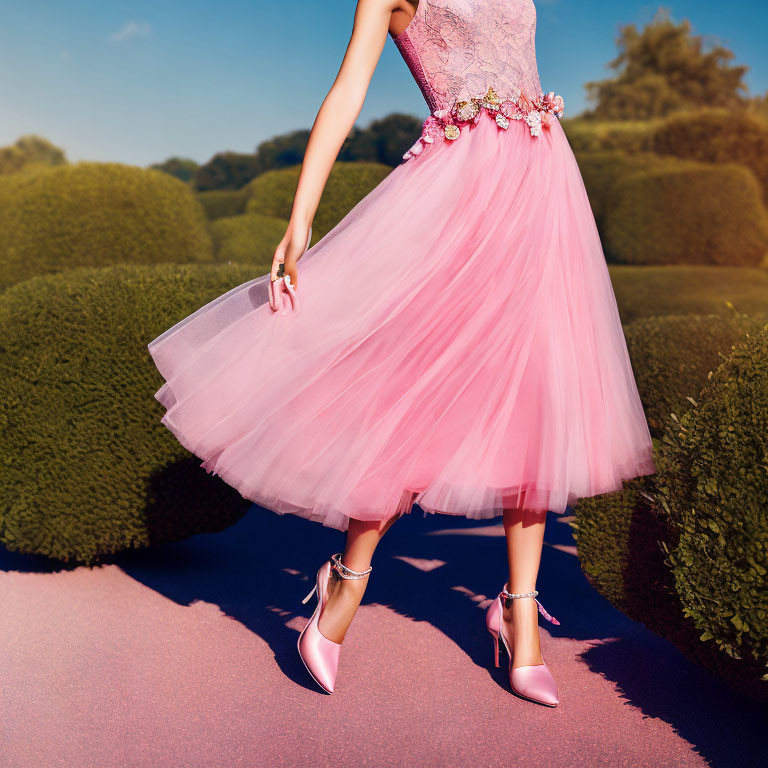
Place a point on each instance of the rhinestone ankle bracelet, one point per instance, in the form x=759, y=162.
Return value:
x=516, y=595
x=344, y=571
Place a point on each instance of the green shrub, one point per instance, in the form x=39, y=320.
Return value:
x=635, y=546
x=96, y=214
x=271, y=194
x=717, y=136
x=621, y=540
x=86, y=467
x=702, y=214
x=600, y=135
x=681, y=289
x=219, y=203
x=603, y=170
x=713, y=483
x=617, y=537
x=248, y=239
x=672, y=356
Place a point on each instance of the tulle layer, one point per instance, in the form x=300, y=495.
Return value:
x=458, y=346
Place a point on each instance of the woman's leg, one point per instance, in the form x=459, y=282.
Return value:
x=525, y=539
x=344, y=595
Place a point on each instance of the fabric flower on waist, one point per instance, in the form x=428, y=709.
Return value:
x=445, y=124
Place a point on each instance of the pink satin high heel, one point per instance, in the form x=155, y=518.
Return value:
x=282, y=295
x=534, y=682
x=319, y=654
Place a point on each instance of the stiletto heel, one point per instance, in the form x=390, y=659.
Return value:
x=319, y=654
x=492, y=623
x=495, y=649
x=311, y=592
x=533, y=682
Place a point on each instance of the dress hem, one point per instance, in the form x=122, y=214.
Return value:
x=408, y=499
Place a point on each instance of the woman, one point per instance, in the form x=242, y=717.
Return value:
x=453, y=342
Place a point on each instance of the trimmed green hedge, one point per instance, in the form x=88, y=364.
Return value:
x=220, y=203
x=617, y=537
x=703, y=214
x=713, y=483
x=248, y=239
x=673, y=355
x=96, y=214
x=271, y=194
x=682, y=289
x=86, y=467
x=671, y=545
x=603, y=170
x=717, y=136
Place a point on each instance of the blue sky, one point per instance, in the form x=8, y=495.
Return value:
x=139, y=81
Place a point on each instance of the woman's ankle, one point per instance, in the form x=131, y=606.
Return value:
x=521, y=618
x=344, y=598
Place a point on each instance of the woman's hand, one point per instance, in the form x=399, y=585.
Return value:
x=290, y=250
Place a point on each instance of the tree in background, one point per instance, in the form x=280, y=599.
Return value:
x=282, y=151
x=29, y=152
x=758, y=106
x=226, y=170
x=233, y=170
x=665, y=68
x=383, y=141
x=181, y=167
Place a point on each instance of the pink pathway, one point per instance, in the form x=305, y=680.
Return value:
x=185, y=656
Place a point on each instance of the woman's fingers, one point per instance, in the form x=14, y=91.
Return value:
x=292, y=272
x=277, y=260
x=288, y=253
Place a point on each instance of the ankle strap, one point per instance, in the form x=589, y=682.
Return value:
x=516, y=595
x=344, y=571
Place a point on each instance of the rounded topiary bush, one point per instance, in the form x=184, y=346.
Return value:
x=701, y=214
x=249, y=239
x=716, y=136
x=673, y=355
x=96, y=214
x=619, y=542
x=602, y=170
x=219, y=203
x=622, y=541
x=86, y=467
x=683, y=550
x=271, y=193
x=713, y=483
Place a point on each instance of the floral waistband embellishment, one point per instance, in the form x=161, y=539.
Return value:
x=452, y=131
x=445, y=124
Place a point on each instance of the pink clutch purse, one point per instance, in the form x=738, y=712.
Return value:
x=282, y=295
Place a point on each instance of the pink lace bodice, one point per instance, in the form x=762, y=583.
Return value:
x=458, y=49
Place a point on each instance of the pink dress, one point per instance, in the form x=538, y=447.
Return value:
x=458, y=344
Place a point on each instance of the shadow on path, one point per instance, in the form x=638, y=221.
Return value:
x=442, y=569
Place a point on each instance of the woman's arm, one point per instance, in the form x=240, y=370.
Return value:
x=334, y=121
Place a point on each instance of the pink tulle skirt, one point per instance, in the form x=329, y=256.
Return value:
x=458, y=346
